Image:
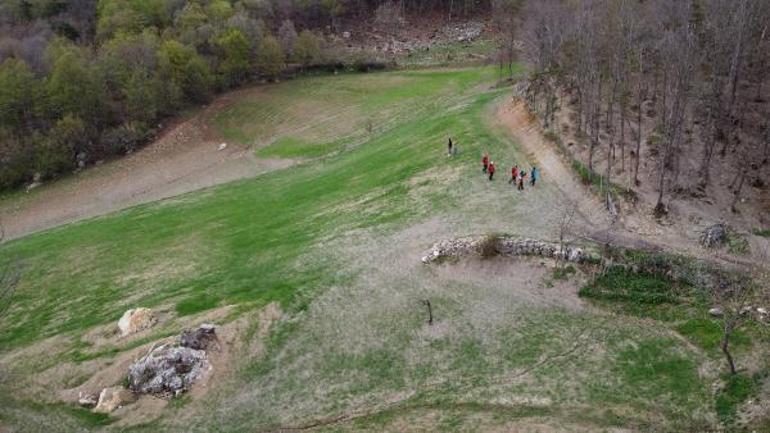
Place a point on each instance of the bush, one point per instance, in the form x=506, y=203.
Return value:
x=488, y=247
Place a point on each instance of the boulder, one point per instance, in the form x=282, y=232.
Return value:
x=202, y=338
x=167, y=371
x=135, y=320
x=716, y=312
x=113, y=398
x=714, y=235
x=87, y=399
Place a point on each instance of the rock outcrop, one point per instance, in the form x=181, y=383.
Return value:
x=504, y=246
x=135, y=320
x=167, y=371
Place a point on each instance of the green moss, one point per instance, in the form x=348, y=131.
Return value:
x=738, y=388
x=624, y=285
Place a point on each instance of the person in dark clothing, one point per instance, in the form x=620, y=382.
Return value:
x=449, y=147
x=491, y=169
x=522, y=175
x=534, y=174
x=484, y=163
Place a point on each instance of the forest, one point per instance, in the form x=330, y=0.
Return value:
x=83, y=80
x=677, y=76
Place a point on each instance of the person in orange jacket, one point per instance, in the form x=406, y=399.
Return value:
x=491, y=169
x=484, y=163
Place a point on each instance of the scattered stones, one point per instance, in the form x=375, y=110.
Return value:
x=476, y=245
x=113, y=398
x=87, y=400
x=135, y=320
x=716, y=312
x=466, y=32
x=167, y=371
x=202, y=338
x=714, y=235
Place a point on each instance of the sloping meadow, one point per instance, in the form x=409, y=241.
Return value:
x=336, y=240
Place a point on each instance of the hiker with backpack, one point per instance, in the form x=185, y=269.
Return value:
x=484, y=162
x=522, y=175
x=491, y=169
x=534, y=175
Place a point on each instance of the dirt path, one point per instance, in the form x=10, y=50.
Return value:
x=524, y=128
x=185, y=158
x=641, y=233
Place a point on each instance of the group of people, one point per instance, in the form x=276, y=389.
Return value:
x=518, y=175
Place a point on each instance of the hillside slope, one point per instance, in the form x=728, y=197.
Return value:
x=313, y=273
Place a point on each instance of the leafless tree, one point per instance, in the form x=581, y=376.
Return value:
x=564, y=229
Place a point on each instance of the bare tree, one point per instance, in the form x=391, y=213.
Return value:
x=734, y=296
x=564, y=230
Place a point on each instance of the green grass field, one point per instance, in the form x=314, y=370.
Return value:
x=336, y=241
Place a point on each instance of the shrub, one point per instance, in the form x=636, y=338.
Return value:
x=488, y=246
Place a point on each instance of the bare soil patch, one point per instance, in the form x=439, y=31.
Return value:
x=185, y=158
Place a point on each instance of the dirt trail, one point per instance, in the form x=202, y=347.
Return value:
x=185, y=158
x=643, y=233
x=515, y=117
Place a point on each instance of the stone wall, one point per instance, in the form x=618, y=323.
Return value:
x=503, y=246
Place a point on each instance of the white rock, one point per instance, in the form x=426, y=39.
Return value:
x=716, y=311
x=762, y=311
x=87, y=400
x=135, y=320
x=113, y=398
x=222, y=146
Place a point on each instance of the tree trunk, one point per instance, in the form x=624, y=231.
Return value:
x=737, y=193
x=638, y=138
x=726, y=351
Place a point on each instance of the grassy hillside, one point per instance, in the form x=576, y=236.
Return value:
x=336, y=240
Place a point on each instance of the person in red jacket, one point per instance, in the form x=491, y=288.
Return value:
x=491, y=169
x=514, y=174
x=484, y=163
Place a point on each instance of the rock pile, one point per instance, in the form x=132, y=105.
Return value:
x=714, y=235
x=465, y=32
x=167, y=371
x=476, y=246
